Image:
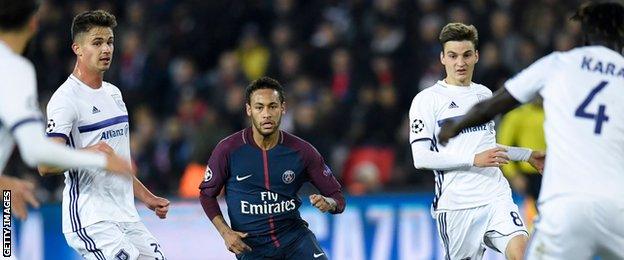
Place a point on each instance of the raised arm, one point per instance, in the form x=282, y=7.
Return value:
x=482, y=112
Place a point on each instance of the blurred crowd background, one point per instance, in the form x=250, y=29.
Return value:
x=350, y=69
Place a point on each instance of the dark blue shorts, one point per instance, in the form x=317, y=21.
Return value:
x=304, y=247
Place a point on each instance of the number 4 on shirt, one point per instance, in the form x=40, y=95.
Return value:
x=600, y=116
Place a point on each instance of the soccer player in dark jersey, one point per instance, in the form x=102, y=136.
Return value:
x=262, y=168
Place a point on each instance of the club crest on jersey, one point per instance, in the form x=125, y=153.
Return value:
x=50, y=126
x=417, y=126
x=208, y=174
x=119, y=102
x=288, y=177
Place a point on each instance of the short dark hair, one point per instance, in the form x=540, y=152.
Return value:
x=264, y=83
x=85, y=21
x=602, y=21
x=459, y=32
x=14, y=14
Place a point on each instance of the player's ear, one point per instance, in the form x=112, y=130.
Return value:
x=442, y=57
x=248, y=109
x=76, y=48
x=477, y=55
x=283, y=108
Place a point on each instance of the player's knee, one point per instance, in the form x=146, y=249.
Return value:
x=516, y=247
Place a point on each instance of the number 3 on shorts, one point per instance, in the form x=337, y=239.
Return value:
x=516, y=218
x=156, y=250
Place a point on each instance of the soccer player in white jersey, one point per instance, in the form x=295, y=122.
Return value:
x=100, y=220
x=581, y=201
x=21, y=121
x=472, y=205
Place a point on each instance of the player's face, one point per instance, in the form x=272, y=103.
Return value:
x=95, y=48
x=265, y=111
x=459, y=59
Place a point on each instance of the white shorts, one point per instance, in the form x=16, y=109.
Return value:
x=115, y=240
x=575, y=227
x=465, y=233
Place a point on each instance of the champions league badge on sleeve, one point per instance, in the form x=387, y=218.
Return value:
x=417, y=126
x=50, y=126
x=208, y=174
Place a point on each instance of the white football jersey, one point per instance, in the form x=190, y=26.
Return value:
x=84, y=117
x=583, y=91
x=18, y=98
x=468, y=186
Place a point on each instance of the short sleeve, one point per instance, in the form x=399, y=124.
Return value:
x=421, y=118
x=216, y=171
x=18, y=101
x=527, y=84
x=61, y=116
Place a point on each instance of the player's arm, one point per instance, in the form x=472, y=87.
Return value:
x=210, y=188
x=482, y=112
x=424, y=158
x=112, y=162
x=159, y=205
x=520, y=89
x=331, y=198
x=47, y=170
x=36, y=149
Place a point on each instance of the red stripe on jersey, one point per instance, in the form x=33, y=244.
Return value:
x=265, y=162
x=272, y=232
x=267, y=185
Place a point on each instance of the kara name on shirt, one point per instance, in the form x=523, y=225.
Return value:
x=605, y=68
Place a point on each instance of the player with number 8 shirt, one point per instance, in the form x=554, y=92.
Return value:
x=472, y=204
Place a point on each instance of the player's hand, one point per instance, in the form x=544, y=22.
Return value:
x=22, y=194
x=491, y=158
x=159, y=205
x=234, y=242
x=537, y=159
x=447, y=131
x=322, y=203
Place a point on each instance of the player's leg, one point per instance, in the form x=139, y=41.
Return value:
x=461, y=232
x=143, y=240
x=506, y=232
x=102, y=240
x=305, y=247
x=564, y=230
